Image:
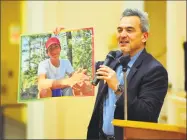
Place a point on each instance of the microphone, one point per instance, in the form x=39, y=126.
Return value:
x=109, y=58
x=124, y=60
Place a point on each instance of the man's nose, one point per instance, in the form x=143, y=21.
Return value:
x=123, y=33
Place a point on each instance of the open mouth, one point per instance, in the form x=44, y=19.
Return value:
x=123, y=43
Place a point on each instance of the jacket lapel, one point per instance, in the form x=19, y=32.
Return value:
x=136, y=65
x=132, y=72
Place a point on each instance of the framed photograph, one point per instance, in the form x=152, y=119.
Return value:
x=37, y=60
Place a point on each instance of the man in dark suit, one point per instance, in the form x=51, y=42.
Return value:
x=147, y=81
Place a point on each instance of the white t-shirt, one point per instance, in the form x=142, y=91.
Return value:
x=52, y=72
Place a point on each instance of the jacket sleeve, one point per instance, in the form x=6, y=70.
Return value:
x=147, y=105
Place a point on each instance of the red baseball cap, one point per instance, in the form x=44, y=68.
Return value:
x=52, y=40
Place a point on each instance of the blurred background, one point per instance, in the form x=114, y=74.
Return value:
x=68, y=117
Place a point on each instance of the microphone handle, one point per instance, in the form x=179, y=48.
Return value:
x=95, y=80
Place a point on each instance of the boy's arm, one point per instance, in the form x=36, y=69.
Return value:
x=44, y=83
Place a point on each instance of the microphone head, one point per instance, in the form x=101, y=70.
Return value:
x=111, y=55
x=124, y=60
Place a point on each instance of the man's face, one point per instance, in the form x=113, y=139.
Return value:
x=129, y=35
x=54, y=51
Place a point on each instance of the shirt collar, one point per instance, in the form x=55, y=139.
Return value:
x=133, y=59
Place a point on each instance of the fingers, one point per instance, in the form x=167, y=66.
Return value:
x=104, y=77
x=105, y=73
x=78, y=78
x=61, y=28
x=76, y=86
x=84, y=71
x=104, y=68
x=81, y=70
x=57, y=30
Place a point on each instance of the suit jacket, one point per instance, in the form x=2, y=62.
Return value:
x=147, y=84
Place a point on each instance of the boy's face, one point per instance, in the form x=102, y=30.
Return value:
x=54, y=51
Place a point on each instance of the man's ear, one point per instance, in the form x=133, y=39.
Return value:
x=145, y=37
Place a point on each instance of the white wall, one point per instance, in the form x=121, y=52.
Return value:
x=176, y=35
